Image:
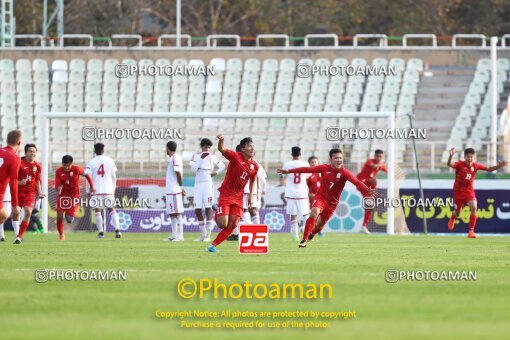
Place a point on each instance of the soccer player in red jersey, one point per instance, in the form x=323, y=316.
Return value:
x=241, y=169
x=463, y=191
x=9, y=167
x=333, y=179
x=313, y=182
x=367, y=176
x=67, y=184
x=29, y=181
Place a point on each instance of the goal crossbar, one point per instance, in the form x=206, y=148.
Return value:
x=390, y=116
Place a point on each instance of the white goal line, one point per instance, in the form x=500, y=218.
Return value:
x=390, y=116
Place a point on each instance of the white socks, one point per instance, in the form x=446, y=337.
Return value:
x=209, y=226
x=294, y=229
x=246, y=218
x=2, y=234
x=255, y=219
x=99, y=222
x=203, y=228
x=115, y=220
x=15, y=226
x=180, y=228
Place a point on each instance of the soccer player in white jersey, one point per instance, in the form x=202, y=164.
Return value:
x=251, y=215
x=7, y=206
x=205, y=166
x=174, y=192
x=103, y=170
x=296, y=192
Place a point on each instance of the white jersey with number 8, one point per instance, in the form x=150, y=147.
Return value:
x=102, y=169
x=296, y=186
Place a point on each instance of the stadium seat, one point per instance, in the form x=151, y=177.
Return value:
x=23, y=65
x=234, y=64
x=218, y=64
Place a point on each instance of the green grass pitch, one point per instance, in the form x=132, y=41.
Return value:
x=354, y=265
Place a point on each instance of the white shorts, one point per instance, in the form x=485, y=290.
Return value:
x=102, y=201
x=298, y=206
x=174, y=204
x=203, y=197
x=8, y=208
x=255, y=203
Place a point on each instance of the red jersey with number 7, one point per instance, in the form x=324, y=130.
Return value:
x=239, y=172
x=465, y=176
x=332, y=181
x=9, y=167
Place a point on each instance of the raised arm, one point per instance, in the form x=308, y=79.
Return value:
x=90, y=185
x=365, y=191
x=495, y=167
x=449, y=162
x=302, y=170
x=221, y=141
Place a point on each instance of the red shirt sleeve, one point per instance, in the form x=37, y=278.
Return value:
x=481, y=167
x=383, y=168
x=309, y=169
x=229, y=154
x=359, y=185
x=39, y=173
x=57, y=179
x=13, y=184
x=456, y=165
x=254, y=176
x=80, y=170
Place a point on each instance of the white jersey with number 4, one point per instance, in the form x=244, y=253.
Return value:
x=296, y=186
x=174, y=166
x=102, y=169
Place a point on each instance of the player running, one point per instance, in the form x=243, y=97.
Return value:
x=205, y=166
x=67, y=184
x=296, y=192
x=174, y=192
x=103, y=170
x=29, y=184
x=313, y=182
x=9, y=167
x=333, y=179
x=368, y=177
x=463, y=191
x=241, y=169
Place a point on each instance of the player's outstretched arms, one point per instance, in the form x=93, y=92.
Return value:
x=496, y=167
x=282, y=171
x=302, y=170
x=221, y=141
x=449, y=162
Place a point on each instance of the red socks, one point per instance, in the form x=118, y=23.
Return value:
x=60, y=227
x=22, y=228
x=309, y=226
x=222, y=236
x=366, y=219
x=472, y=222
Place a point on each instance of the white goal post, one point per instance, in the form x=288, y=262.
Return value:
x=389, y=116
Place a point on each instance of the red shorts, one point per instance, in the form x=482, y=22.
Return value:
x=326, y=209
x=461, y=198
x=26, y=200
x=229, y=207
x=67, y=204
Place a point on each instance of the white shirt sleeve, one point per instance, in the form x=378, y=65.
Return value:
x=195, y=162
x=178, y=163
x=221, y=166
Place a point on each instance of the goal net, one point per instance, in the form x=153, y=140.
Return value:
x=136, y=141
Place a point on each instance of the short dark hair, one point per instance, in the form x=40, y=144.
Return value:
x=379, y=152
x=245, y=141
x=99, y=148
x=469, y=151
x=334, y=151
x=172, y=146
x=67, y=159
x=13, y=137
x=28, y=146
x=238, y=148
x=312, y=157
x=295, y=151
x=206, y=141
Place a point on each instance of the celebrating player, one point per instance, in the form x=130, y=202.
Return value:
x=333, y=179
x=9, y=168
x=367, y=176
x=67, y=184
x=313, y=182
x=241, y=169
x=29, y=181
x=463, y=191
x=102, y=169
x=174, y=192
x=296, y=192
x=203, y=164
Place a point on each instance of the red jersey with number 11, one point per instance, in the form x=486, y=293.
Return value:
x=239, y=172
